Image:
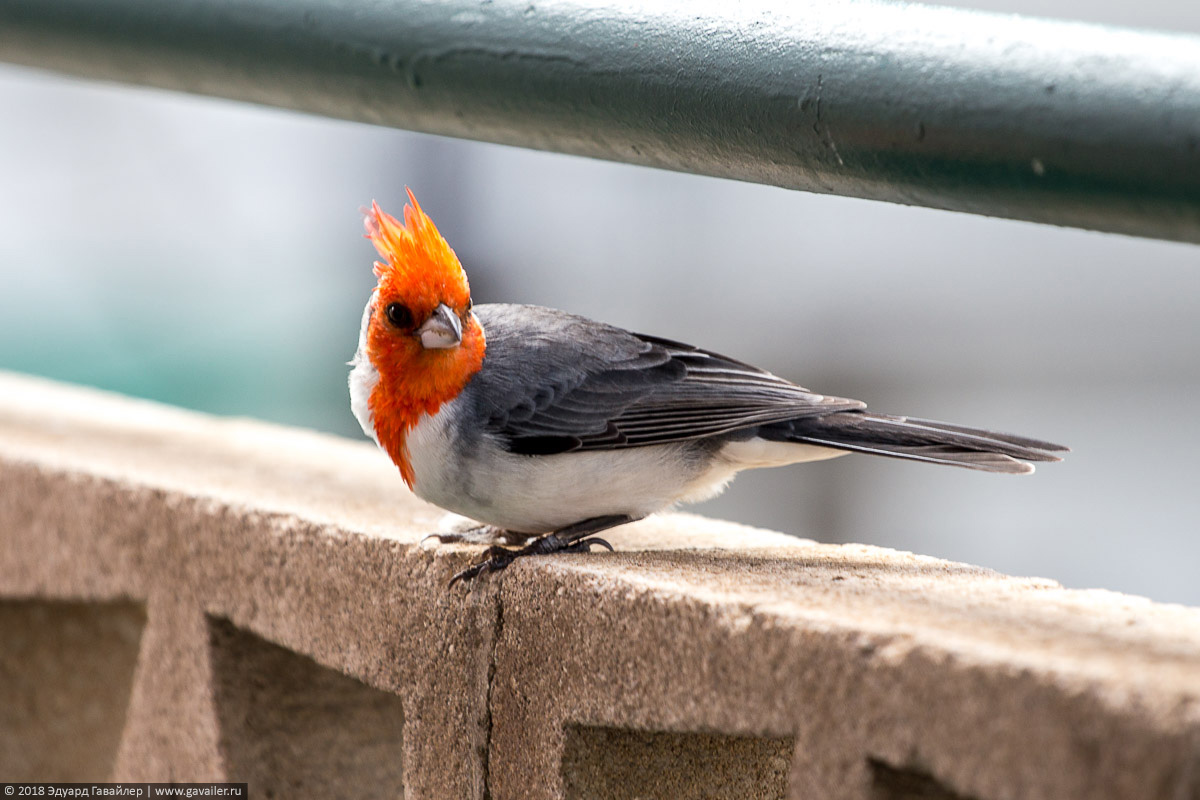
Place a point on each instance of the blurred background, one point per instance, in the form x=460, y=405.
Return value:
x=209, y=254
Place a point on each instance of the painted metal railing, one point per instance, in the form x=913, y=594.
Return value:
x=1054, y=122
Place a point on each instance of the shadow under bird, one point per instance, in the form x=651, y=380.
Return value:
x=548, y=428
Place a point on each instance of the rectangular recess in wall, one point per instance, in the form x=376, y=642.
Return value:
x=896, y=783
x=621, y=764
x=291, y=727
x=66, y=674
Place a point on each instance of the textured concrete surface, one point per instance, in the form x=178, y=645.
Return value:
x=276, y=620
x=631, y=764
x=66, y=670
x=991, y=687
x=293, y=728
x=303, y=541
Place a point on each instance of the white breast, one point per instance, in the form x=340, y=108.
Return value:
x=537, y=494
x=363, y=377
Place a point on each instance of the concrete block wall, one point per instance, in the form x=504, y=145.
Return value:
x=191, y=598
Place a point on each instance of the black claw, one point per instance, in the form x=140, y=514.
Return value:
x=466, y=575
x=476, y=570
x=585, y=545
x=495, y=559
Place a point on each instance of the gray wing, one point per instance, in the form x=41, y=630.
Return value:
x=553, y=382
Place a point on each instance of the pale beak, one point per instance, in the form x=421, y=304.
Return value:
x=441, y=330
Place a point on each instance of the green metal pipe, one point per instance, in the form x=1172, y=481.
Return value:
x=1055, y=122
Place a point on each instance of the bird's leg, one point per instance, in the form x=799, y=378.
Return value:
x=575, y=538
x=480, y=534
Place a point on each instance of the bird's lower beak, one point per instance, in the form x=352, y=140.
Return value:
x=443, y=329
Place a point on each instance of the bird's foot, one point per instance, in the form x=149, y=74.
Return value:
x=572, y=539
x=495, y=558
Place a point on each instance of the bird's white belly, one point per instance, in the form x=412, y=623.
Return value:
x=541, y=493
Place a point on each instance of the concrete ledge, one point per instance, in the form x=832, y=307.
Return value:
x=261, y=596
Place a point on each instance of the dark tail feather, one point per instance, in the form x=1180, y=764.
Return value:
x=1007, y=438
x=924, y=440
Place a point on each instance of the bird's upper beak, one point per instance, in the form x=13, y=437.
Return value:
x=442, y=330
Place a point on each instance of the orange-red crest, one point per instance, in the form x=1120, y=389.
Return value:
x=419, y=268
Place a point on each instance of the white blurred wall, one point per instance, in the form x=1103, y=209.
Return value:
x=209, y=254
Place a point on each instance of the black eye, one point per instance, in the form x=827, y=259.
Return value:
x=399, y=315
x=470, y=304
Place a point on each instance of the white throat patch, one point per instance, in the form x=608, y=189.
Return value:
x=363, y=377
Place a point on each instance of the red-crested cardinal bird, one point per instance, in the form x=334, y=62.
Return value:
x=548, y=428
